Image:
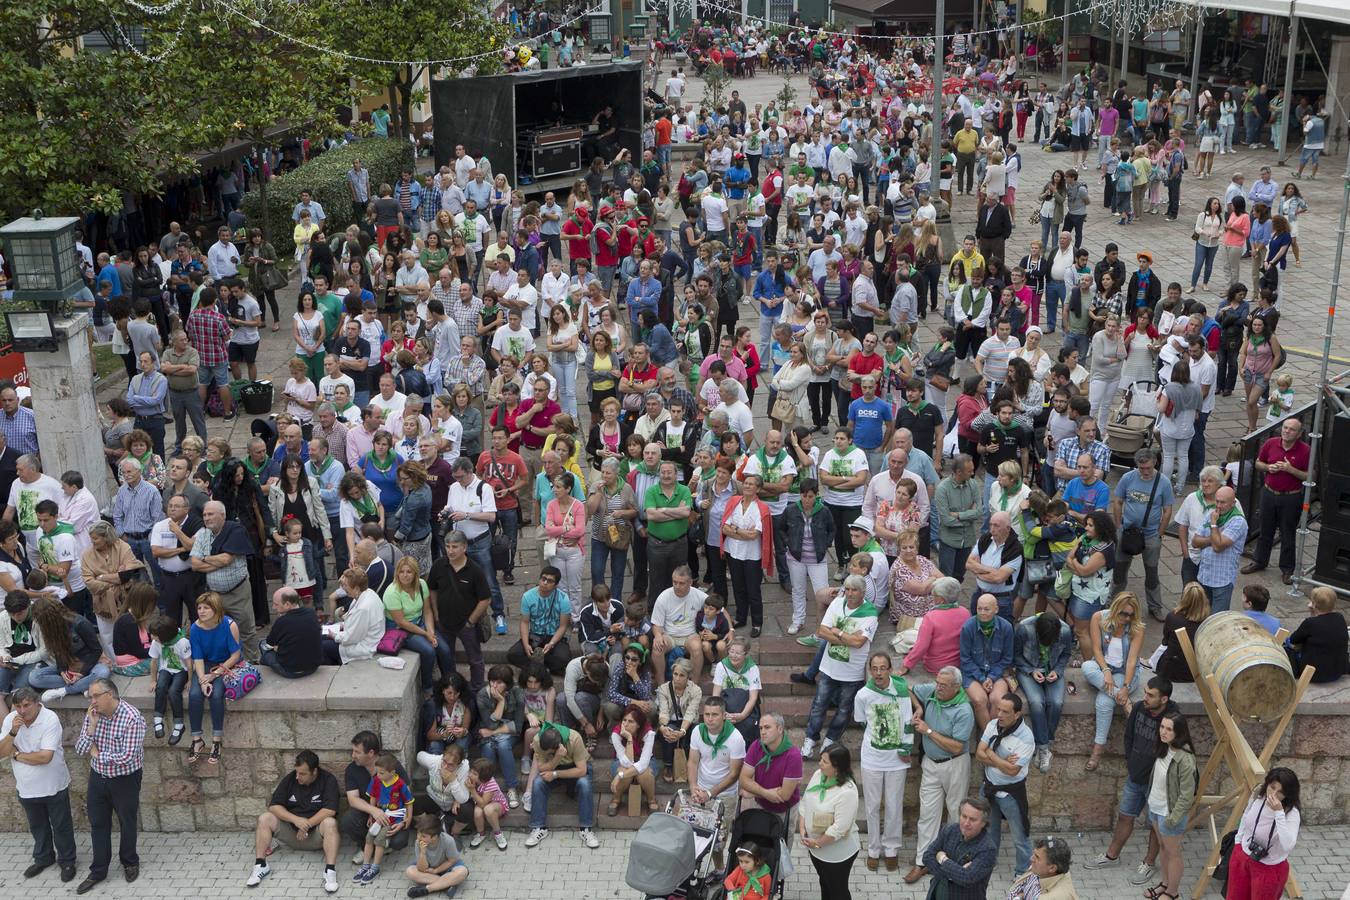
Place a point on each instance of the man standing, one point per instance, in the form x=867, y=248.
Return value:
x=458, y=590
x=358, y=183
x=136, y=507
x=17, y=423
x=220, y=550
x=667, y=505
x=848, y=627
x=1205, y=374
x=1086, y=492
x=1141, y=742
x=303, y=816
x=222, y=259
x=1286, y=462
x=171, y=543
x=871, y=421
x=994, y=226
x=535, y=423
x=885, y=709
x=996, y=563
x=31, y=737
x=210, y=333
x=29, y=488
x=1005, y=750
x=1068, y=451
x=944, y=719
x=113, y=737
x=959, y=511
x=472, y=507
x=1142, y=507
x=180, y=364
x=1220, y=538
x=772, y=776
x=716, y=755
x=994, y=353
x=963, y=856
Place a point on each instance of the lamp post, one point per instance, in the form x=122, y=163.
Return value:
x=47, y=272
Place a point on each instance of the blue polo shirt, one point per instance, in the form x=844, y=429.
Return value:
x=869, y=422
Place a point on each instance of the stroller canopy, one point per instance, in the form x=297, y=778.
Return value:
x=662, y=856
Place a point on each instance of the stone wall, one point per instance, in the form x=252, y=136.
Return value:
x=263, y=731
x=322, y=712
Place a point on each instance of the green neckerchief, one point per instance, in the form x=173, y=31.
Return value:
x=1256, y=339
x=895, y=360
x=722, y=736
x=1223, y=519
x=255, y=469
x=364, y=507
x=755, y=881
x=814, y=509
x=47, y=552
x=327, y=463
x=987, y=628
x=563, y=731
x=744, y=667
x=784, y=745
x=213, y=468
x=1200, y=498
x=643, y=469
x=769, y=470
x=1003, y=498
x=916, y=408
x=145, y=460
x=893, y=694
x=343, y=409
x=872, y=545
x=957, y=698
x=953, y=605
x=169, y=654
x=388, y=464
x=823, y=785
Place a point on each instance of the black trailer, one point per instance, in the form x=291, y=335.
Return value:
x=536, y=127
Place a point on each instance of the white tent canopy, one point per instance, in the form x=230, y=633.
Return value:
x=1323, y=10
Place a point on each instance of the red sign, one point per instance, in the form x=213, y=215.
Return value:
x=13, y=367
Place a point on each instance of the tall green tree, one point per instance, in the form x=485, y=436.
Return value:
x=413, y=30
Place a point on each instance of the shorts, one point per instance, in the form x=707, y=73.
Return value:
x=288, y=835
x=1082, y=610
x=1133, y=798
x=1209, y=144
x=742, y=271
x=245, y=353
x=1011, y=196
x=380, y=836
x=1249, y=378
x=1079, y=142
x=1158, y=821
x=1293, y=228
x=214, y=376
x=1309, y=155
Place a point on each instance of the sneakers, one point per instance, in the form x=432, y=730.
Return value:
x=808, y=748
x=1043, y=757
x=500, y=839
x=330, y=880
x=512, y=799
x=358, y=858
x=808, y=640
x=477, y=839
x=259, y=873
x=359, y=877
x=51, y=695
x=794, y=628
x=827, y=745
x=501, y=624
x=526, y=800
x=536, y=837
x=589, y=839
x=1143, y=874
x=1102, y=861
x=367, y=874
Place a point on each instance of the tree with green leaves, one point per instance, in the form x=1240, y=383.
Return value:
x=413, y=33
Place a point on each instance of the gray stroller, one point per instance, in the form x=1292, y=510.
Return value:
x=671, y=855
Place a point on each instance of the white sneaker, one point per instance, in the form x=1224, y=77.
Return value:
x=330, y=880
x=526, y=800
x=1143, y=874
x=358, y=858
x=795, y=628
x=1102, y=861
x=500, y=838
x=512, y=798
x=808, y=748
x=51, y=695
x=536, y=837
x=589, y=839
x=477, y=839
x=824, y=748
x=1044, y=762
x=259, y=873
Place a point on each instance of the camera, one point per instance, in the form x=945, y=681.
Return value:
x=1256, y=851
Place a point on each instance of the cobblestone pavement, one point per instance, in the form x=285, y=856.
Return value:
x=177, y=866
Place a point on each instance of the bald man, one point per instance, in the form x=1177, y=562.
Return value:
x=1220, y=540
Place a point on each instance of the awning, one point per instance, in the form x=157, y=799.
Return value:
x=1318, y=10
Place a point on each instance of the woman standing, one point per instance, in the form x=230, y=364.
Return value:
x=1054, y=199
x=263, y=279
x=293, y=496
x=308, y=330
x=1116, y=637
x=808, y=529
x=612, y=508
x=601, y=370
x=358, y=504
x=565, y=526
x=826, y=822
x=1108, y=359
x=1209, y=232
x=1257, y=361
x=747, y=539
x=1090, y=564
x=715, y=496
x=244, y=503
x=790, y=383
x=1178, y=406
x=1142, y=345
x=1259, y=866
x=912, y=578
x=563, y=342
x=407, y=606
x=412, y=520
x=1170, y=797
x=215, y=650
x=380, y=466
x=1190, y=611
x=1236, y=229
x=470, y=418
x=1291, y=206
x=817, y=341
x=1277, y=257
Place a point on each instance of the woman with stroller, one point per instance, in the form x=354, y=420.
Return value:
x=826, y=824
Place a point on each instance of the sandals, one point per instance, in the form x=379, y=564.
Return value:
x=668, y=777
x=652, y=806
x=196, y=749
x=214, y=758
x=1153, y=892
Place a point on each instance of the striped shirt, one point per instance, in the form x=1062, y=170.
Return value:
x=136, y=510
x=120, y=740
x=20, y=430
x=995, y=355
x=457, y=371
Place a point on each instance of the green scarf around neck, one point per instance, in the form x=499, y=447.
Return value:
x=784, y=745
x=722, y=736
x=957, y=699
x=823, y=785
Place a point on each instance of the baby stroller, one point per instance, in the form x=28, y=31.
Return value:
x=768, y=831
x=671, y=855
x=1132, y=422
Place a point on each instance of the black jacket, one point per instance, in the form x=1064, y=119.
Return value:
x=147, y=282
x=1117, y=270
x=993, y=223
x=794, y=529
x=1152, y=292
x=297, y=640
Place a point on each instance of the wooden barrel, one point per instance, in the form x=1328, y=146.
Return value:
x=1252, y=671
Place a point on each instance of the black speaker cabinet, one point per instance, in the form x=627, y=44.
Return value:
x=561, y=159
x=1333, y=557
x=1337, y=437
x=1335, y=490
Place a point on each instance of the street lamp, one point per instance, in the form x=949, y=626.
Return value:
x=42, y=253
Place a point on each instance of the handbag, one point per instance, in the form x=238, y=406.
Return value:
x=240, y=680
x=1040, y=571
x=1035, y=217
x=485, y=629
x=632, y=403
x=784, y=410
x=1195, y=235
x=1132, y=537
x=392, y=642
x=940, y=381
x=273, y=279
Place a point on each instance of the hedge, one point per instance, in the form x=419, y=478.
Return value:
x=325, y=177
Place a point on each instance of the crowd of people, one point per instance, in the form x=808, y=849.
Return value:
x=473, y=373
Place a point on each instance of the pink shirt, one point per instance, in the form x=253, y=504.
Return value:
x=557, y=526
x=1243, y=224
x=939, y=642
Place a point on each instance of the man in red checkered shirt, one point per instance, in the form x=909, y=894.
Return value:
x=210, y=333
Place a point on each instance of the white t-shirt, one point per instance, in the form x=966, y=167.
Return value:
x=713, y=768
x=372, y=333
x=887, y=728
x=785, y=466
x=739, y=417
x=844, y=466
x=452, y=430
x=25, y=498
x=854, y=668
x=530, y=297
x=513, y=343
x=328, y=387
x=1019, y=742
x=182, y=655
x=1205, y=372
x=746, y=517
x=45, y=734
x=1192, y=516
x=473, y=231
x=471, y=500
x=728, y=679
x=392, y=408
x=677, y=615
x=162, y=536
x=715, y=212
x=65, y=549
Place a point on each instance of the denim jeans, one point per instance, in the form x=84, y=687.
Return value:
x=838, y=694
x=1197, y=449
x=1173, y=196
x=430, y=656
x=1204, y=263
x=617, y=560
x=45, y=678
x=1054, y=299
x=1253, y=129
x=50, y=825
x=585, y=803
x=140, y=548
x=566, y=374
x=197, y=699
x=500, y=748
x=508, y=523
x=1174, y=450
x=1104, y=704
x=13, y=679
x=1045, y=704
x=1080, y=342
x=766, y=326
x=480, y=551
x=1220, y=598
x=169, y=691
x=1005, y=807
x=952, y=561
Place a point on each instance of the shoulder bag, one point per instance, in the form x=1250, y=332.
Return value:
x=1132, y=536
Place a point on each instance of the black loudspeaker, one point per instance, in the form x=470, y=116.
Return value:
x=1335, y=490
x=1333, y=557
x=1336, y=435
